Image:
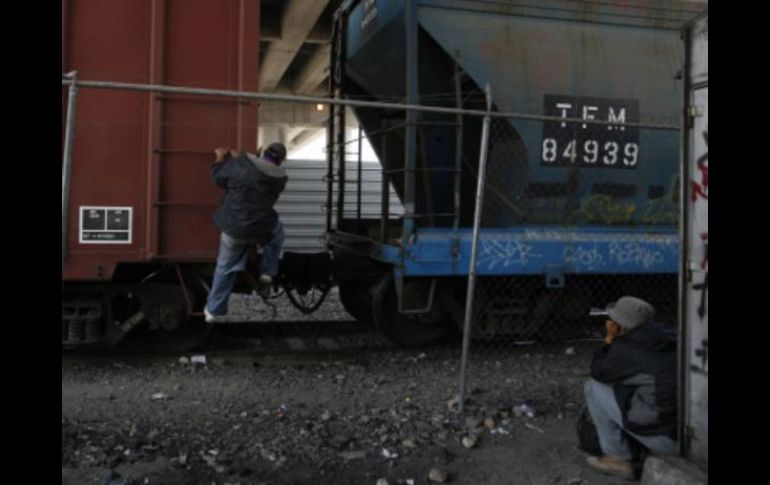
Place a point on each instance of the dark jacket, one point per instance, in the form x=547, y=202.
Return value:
x=252, y=186
x=641, y=367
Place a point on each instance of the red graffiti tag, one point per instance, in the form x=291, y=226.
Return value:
x=702, y=189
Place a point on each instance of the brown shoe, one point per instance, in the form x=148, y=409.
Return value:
x=612, y=465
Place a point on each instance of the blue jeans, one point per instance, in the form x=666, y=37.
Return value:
x=601, y=402
x=232, y=259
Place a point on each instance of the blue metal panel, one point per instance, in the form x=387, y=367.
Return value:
x=538, y=251
x=527, y=51
x=368, y=19
x=525, y=59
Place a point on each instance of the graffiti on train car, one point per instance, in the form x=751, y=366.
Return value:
x=496, y=253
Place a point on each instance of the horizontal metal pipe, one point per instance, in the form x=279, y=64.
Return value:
x=438, y=214
x=354, y=103
x=438, y=169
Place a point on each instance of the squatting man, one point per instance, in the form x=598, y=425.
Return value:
x=633, y=386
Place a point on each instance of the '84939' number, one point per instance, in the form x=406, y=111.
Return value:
x=590, y=153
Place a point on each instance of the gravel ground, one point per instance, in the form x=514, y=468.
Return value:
x=374, y=419
x=251, y=307
x=337, y=422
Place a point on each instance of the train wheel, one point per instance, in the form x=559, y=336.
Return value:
x=357, y=300
x=171, y=327
x=84, y=322
x=189, y=336
x=557, y=315
x=405, y=330
x=541, y=316
x=160, y=319
x=499, y=314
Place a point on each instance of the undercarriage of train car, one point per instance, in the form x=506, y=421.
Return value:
x=417, y=311
x=160, y=305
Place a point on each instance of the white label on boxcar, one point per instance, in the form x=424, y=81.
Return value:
x=106, y=225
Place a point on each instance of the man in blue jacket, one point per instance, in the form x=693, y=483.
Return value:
x=633, y=386
x=246, y=217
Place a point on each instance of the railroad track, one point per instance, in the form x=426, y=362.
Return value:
x=279, y=341
x=296, y=337
x=290, y=328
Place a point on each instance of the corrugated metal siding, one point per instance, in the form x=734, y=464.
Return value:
x=302, y=205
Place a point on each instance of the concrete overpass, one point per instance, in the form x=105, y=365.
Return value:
x=295, y=44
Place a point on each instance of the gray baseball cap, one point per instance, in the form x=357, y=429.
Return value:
x=630, y=312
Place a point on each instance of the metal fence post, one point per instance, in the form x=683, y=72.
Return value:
x=67, y=160
x=412, y=117
x=474, y=249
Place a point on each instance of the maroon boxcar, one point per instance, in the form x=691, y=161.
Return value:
x=141, y=200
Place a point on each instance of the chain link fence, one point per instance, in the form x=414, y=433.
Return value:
x=593, y=219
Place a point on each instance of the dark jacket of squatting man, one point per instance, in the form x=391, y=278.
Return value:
x=641, y=366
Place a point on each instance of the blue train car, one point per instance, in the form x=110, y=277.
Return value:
x=568, y=205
